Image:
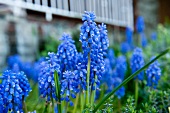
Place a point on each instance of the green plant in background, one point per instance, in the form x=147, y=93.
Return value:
x=76, y=34
x=49, y=44
x=130, y=106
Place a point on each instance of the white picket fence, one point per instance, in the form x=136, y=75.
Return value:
x=114, y=12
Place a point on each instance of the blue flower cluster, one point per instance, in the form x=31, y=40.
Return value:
x=66, y=53
x=153, y=74
x=127, y=45
x=94, y=44
x=121, y=67
x=136, y=62
x=13, y=90
x=111, y=57
x=80, y=75
x=69, y=86
x=104, y=41
x=46, y=77
x=140, y=27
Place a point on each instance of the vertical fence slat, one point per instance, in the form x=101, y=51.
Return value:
x=53, y=3
x=44, y=3
x=37, y=2
x=71, y=5
x=65, y=4
x=59, y=4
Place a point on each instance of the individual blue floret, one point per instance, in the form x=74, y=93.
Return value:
x=136, y=62
x=153, y=74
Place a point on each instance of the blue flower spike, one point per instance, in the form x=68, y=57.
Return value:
x=136, y=62
x=69, y=87
x=46, y=77
x=14, y=87
x=153, y=74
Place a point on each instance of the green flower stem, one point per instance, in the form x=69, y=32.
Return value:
x=119, y=105
x=93, y=93
x=46, y=108
x=66, y=106
x=128, y=79
x=57, y=84
x=82, y=101
x=24, y=105
x=76, y=103
x=52, y=104
x=88, y=80
x=136, y=92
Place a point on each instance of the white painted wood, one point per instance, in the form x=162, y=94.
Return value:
x=114, y=12
x=53, y=3
x=37, y=2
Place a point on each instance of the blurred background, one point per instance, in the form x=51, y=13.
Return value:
x=31, y=28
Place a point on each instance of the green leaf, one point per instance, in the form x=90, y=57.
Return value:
x=128, y=79
x=57, y=84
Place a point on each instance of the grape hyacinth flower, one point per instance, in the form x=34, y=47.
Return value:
x=69, y=87
x=129, y=36
x=140, y=25
x=94, y=44
x=121, y=67
x=80, y=75
x=66, y=53
x=153, y=74
x=104, y=41
x=89, y=36
x=15, y=68
x=108, y=73
x=1, y=99
x=136, y=62
x=12, y=93
x=23, y=83
x=111, y=57
x=15, y=59
x=46, y=77
x=143, y=40
x=125, y=47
